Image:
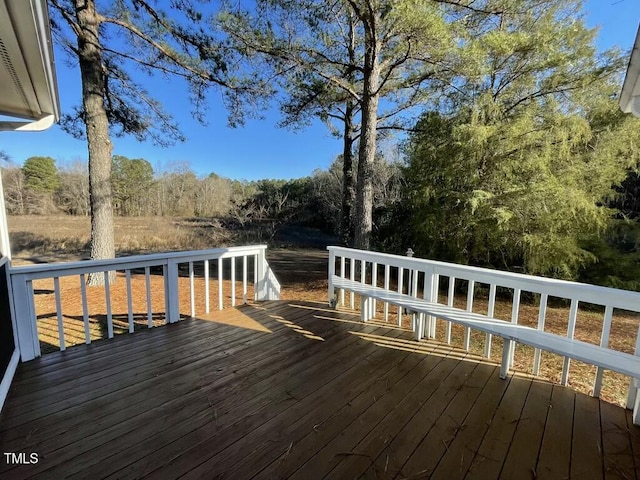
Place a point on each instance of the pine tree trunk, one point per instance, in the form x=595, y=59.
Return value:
x=363, y=222
x=348, y=179
x=97, y=125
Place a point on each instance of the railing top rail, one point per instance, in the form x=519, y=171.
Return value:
x=584, y=292
x=133, y=261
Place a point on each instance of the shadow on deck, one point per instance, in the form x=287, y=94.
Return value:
x=293, y=390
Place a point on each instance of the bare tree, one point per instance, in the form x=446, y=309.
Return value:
x=15, y=194
x=73, y=194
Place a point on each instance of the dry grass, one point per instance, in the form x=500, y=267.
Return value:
x=66, y=236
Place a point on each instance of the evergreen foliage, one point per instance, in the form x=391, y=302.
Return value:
x=131, y=180
x=515, y=171
x=41, y=174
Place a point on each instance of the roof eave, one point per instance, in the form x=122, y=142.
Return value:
x=630, y=94
x=31, y=91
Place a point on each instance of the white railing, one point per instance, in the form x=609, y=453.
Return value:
x=8, y=343
x=214, y=264
x=426, y=279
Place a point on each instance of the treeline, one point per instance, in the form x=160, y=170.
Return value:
x=40, y=187
x=566, y=224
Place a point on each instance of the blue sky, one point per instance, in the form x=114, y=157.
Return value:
x=259, y=149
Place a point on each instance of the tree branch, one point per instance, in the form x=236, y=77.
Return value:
x=469, y=6
x=200, y=73
x=68, y=17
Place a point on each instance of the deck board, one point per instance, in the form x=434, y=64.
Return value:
x=616, y=443
x=342, y=446
x=461, y=450
x=428, y=434
x=522, y=458
x=415, y=414
x=295, y=390
x=587, y=439
x=491, y=454
x=399, y=383
x=555, y=452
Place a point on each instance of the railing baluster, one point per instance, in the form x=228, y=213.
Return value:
x=129, y=301
x=233, y=281
x=352, y=277
x=434, y=297
x=604, y=342
x=490, y=313
x=426, y=323
x=85, y=309
x=400, y=287
x=255, y=277
x=147, y=281
x=107, y=294
x=374, y=282
x=537, y=353
x=342, y=270
x=422, y=320
x=571, y=329
x=387, y=273
x=515, y=309
x=192, y=292
x=165, y=279
x=367, y=314
x=206, y=286
x=220, y=279
x=467, y=331
x=244, y=279
x=450, y=298
x=56, y=289
x=414, y=283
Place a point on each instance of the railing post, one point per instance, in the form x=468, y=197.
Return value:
x=633, y=398
x=412, y=289
x=332, y=272
x=410, y=254
x=262, y=274
x=636, y=404
x=171, y=291
x=25, y=317
x=429, y=287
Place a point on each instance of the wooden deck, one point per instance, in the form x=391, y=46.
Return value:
x=293, y=390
